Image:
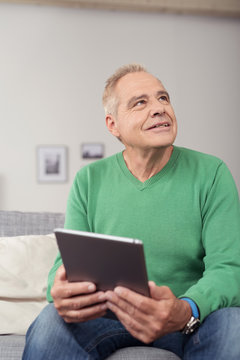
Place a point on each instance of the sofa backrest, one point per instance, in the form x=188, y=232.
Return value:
x=14, y=223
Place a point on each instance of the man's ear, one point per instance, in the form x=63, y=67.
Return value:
x=111, y=123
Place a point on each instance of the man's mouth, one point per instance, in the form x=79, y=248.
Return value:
x=163, y=125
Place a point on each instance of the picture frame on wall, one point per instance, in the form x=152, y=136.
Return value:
x=51, y=164
x=92, y=150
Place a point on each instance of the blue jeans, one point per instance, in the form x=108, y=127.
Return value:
x=50, y=338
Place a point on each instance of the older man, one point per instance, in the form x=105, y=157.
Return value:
x=184, y=206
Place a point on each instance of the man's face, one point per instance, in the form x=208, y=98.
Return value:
x=144, y=118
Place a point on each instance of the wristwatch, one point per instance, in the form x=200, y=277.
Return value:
x=191, y=326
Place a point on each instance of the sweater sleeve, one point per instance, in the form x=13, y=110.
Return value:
x=75, y=219
x=220, y=284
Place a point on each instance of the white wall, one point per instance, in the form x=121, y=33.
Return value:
x=53, y=65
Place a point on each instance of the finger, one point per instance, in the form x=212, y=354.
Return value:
x=61, y=273
x=130, y=309
x=67, y=290
x=139, y=301
x=151, y=284
x=78, y=302
x=86, y=314
x=160, y=292
x=78, y=288
x=74, y=288
x=92, y=317
x=128, y=320
x=131, y=325
x=121, y=304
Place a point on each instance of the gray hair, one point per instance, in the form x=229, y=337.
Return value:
x=109, y=99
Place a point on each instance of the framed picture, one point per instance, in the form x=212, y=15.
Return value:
x=92, y=151
x=52, y=163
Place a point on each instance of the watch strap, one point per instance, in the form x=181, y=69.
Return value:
x=195, y=311
x=194, y=321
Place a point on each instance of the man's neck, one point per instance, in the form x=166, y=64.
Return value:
x=144, y=165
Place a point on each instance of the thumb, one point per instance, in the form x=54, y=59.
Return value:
x=159, y=292
x=61, y=274
x=154, y=290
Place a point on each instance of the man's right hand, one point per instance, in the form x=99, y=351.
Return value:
x=76, y=301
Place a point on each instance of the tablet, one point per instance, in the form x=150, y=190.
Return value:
x=107, y=261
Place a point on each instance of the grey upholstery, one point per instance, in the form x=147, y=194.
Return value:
x=142, y=353
x=11, y=347
x=14, y=223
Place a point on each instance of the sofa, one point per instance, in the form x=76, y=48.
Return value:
x=27, y=251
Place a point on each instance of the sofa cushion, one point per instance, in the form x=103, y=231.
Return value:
x=24, y=265
x=143, y=353
x=11, y=347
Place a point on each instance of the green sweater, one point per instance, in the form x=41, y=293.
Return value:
x=187, y=215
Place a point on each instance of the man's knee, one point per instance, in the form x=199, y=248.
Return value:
x=227, y=320
x=44, y=327
x=219, y=333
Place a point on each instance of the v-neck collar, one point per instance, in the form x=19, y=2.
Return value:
x=152, y=180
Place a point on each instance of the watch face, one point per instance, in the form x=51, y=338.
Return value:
x=191, y=326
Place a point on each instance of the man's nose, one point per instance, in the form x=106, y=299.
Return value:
x=157, y=109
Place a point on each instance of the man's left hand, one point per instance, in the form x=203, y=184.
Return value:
x=149, y=318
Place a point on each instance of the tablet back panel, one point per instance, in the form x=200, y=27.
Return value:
x=104, y=260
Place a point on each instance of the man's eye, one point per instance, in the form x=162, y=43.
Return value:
x=164, y=98
x=139, y=103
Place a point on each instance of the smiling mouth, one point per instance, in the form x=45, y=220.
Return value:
x=163, y=125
